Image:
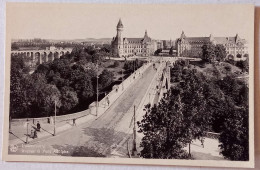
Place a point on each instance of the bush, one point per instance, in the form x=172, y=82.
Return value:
x=116, y=63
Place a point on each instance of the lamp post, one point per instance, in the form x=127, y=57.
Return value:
x=97, y=93
x=10, y=121
x=54, y=133
x=149, y=98
x=134, y=150
x=27, y=127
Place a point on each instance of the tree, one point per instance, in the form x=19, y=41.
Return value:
x=235, y=135
x=197, y=116
x=105, y=78
x=14, y=46
x=47, y=96
x=228, y=69
x=18, y=99
x=116, y=63
x=171, y=51
x=239, y=55
x=157, y=52
x=208, y=52
x=244, y=65
x=69, y=99
x=246, y=56
x=81, y=82
x=220, y=52
x=162, y=128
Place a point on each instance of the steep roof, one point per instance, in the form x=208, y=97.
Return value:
x=196, y=39
x=134, y=39
x=225, y=40
x=146, y=37
x=120, y=24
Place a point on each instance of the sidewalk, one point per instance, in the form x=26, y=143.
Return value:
x=18, y=132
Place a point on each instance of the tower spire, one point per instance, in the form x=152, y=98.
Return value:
x=145, y=34
x=120, y=24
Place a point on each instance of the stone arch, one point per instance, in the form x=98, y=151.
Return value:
x=56, y=55
x=61, y=53
x=45, y=56
x=38, y=57
x=50, y=56
x=28, y=55
x=32, y=56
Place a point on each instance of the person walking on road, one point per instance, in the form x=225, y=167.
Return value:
x=108, y=102
x=74, y=121
x=38, y=126
x=35, y=134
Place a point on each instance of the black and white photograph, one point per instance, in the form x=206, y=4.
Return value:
x=150, y=84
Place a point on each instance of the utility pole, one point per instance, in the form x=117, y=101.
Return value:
x=149, y=98
x=54, y=118
x=27, y=126
x=10, y=126
x=134, y=150
x=97, y=92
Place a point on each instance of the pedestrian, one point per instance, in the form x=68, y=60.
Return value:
x=74, y=122
x=32, y=134
x=38, y=126
x=35, y=134
x=108, y=102
x=202, y=141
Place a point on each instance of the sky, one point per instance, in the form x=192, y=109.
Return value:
x=79, y=21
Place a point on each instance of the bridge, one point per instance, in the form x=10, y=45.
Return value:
x=41, y=56
x=108, y=132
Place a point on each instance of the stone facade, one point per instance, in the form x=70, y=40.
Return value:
x=236, y=47
x=125, y=47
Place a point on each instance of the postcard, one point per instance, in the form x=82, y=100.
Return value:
x=144, y=84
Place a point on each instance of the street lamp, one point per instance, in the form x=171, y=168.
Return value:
x=27, y=127
x=97, y=93
x=55, y=103
x=134, y=150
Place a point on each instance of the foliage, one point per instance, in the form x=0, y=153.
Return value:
x=157, y=52
x=116, y=63
x=244, y=65
x=105, y=78
x=220, y=52
x=162, y=128
x=131, y=66
x=235, y=136
x=195, y=105
x=211, y=52
x=171, y=51
x=208, y=52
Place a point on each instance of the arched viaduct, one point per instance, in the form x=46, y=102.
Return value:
x=41, y=56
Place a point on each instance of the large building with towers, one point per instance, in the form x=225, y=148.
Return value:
x=236, y=47
x=125, y=47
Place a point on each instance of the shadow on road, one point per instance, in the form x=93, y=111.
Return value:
x=104, y=140
x=205, y=156
x=17, y=137
x=77, y=151
x=35, y=128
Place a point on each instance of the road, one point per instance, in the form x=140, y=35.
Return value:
x=107, y=136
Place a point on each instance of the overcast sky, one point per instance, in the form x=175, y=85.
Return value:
x=77, y=21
